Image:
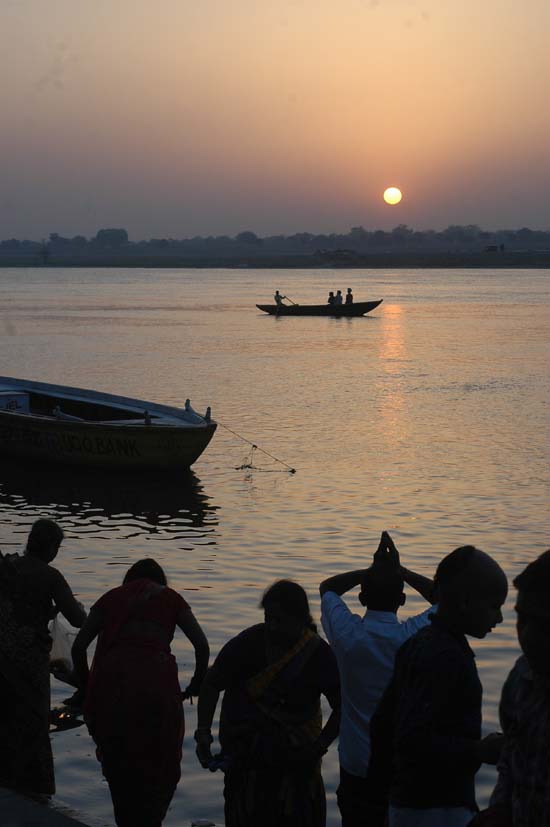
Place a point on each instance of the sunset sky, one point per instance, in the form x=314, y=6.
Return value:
x=175, y=118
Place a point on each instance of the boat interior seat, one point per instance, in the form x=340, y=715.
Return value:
x=59, y=414
x=138, y=420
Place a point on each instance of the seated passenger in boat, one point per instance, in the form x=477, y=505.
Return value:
x=331, y=298
x=349, y=296
x=338, y=299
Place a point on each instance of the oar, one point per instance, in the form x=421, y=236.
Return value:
x=290, y=300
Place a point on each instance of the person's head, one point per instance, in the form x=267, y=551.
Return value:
x=286, y=612
x=146, y=569
x=471, y=588
x=44, y=540
x=533, y=613
x=276, y=292
x=331, y=292
x=382, y=589
x=338, y=292
x=349, y=289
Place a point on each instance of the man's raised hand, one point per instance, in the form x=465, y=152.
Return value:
x=392, y=553
x=380, y=555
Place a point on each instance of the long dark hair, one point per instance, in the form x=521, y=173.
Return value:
x=292, y=598
x=146, y=569
x=43, y=535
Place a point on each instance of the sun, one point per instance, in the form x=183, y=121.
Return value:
x=392, y=195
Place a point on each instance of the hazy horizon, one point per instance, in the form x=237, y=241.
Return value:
x=175, y=120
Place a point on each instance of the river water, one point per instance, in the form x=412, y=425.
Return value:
x=428, y=418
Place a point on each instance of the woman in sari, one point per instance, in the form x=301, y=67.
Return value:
x=271, y=730
x=133, y=701
x=31, y=592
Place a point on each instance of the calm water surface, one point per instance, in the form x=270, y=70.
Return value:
x=428, y=418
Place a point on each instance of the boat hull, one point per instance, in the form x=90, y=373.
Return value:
x=346, y=310
x=170, y=445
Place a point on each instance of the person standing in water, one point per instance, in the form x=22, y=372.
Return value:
x=133, y=706
x=365, y=648
x=426, y=734
x=271, y=731
x=32, y=591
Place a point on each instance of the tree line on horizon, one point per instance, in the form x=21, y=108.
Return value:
x=357, y=240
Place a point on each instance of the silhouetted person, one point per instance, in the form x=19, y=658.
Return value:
x=522, y=795
x=349, y=296
x=133, y=705
x=338, y=299
x=279, y=299
x=271, y=732
x=31, y=593
x=365, y=648
x=427, y=728
x=331, y=298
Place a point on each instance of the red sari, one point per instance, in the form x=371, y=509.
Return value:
x=133, y=702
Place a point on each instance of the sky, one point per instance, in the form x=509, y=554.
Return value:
x=175, y=118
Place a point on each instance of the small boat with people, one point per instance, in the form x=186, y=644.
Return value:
x=57, y=424
x=353, y=309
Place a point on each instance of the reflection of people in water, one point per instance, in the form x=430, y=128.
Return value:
x=133, y=704
x=271, y=733
x=349, y=296
x=31, y=592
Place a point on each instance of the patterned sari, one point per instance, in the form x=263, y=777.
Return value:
x=263, y=784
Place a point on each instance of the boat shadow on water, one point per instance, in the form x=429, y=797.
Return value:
x=153, y=498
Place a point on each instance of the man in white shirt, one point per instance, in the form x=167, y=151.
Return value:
x=365, y=648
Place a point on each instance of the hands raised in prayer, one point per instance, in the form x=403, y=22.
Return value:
x=386, y=554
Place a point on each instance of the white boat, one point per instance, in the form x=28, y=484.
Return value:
x=74, y=426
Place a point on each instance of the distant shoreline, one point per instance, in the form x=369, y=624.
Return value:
x=478, y=260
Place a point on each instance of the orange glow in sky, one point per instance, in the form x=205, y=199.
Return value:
x=210, y=118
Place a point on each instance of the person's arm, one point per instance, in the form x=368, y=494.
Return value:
x=332, y=726
x=86, y=635
x=208, y=700
x=341, y=583
x=66, y=602
x=501, y=796
x=423, y=585
x=191, y=628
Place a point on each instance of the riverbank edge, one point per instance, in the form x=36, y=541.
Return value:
x=19, y=811
x=391, y=261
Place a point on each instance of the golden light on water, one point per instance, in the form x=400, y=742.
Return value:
x=392, y=195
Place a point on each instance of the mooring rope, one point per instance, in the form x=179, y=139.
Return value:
x=255, y=448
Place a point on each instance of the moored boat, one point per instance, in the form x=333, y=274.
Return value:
x=355, y=309
x=75, y=426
